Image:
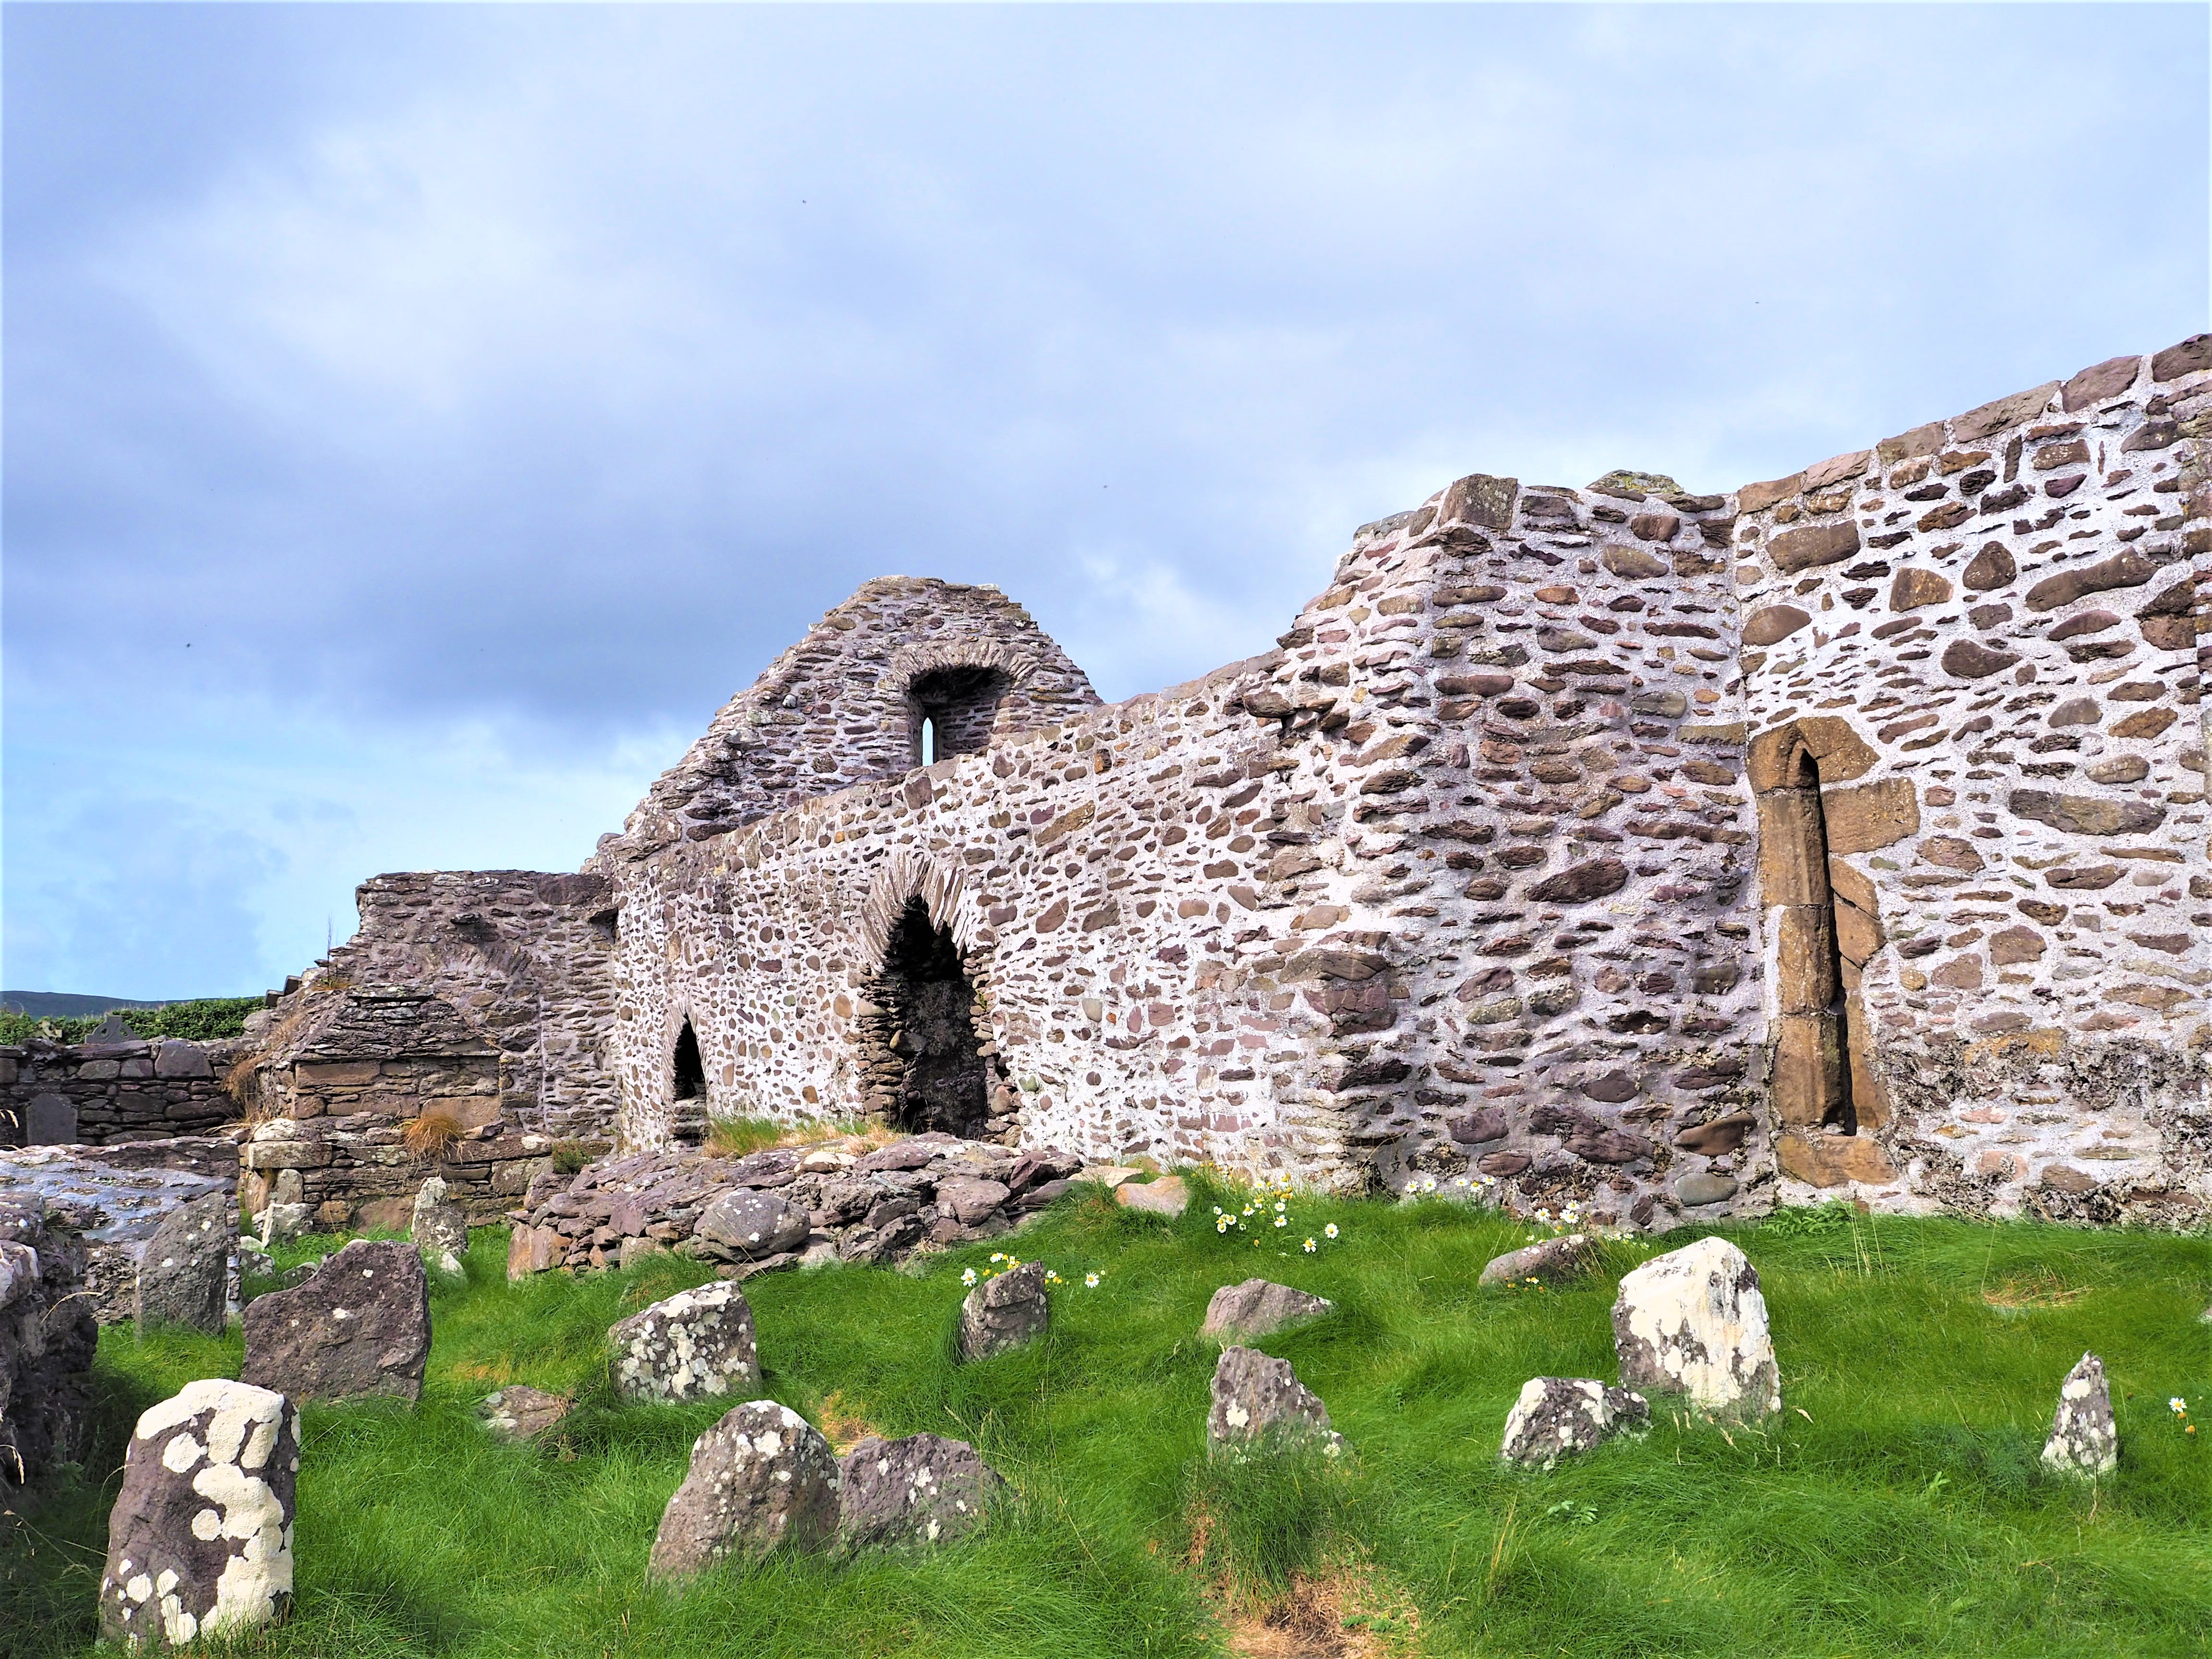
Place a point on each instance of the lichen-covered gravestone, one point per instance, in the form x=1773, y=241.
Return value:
x=1003, y=1313
x=2084, y=1443
x=441, y=1230
x=1260, y=1404
x=924, y=1489
x=1692, y=1323
x=761, y=1477
x=1257, y=1308
x=359, y=1324
x=200, y=1540
x=1557, y=1416
x=694, y=1344
x=183, y=1269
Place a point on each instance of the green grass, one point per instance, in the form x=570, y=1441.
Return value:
x=1896, y=1506
x=204, y=1019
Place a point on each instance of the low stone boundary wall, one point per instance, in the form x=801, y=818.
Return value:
x=357, y=1171
x=98, y=1094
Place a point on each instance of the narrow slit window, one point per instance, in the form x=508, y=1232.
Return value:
x=928, y=741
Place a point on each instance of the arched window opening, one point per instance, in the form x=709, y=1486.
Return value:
x=687, y=1090
x=926, y=1071
x=953, y=710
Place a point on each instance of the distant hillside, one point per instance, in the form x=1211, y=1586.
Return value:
x=62, y=1005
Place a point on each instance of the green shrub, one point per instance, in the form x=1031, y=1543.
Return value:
x=204, y=1019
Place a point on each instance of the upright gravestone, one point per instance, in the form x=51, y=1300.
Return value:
x=692, y=1346
x=922, y=1489
x=360, y=1324
x=1692, y=1323
x=1258, y=1404
x=2084, y=1441
x=1003, y=1313
x=441, y=1230
x=761, y=1477
x=199, y=1543
x=183, y=1269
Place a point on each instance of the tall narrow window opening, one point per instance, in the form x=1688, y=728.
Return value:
x=687, y=1090
x=1812, y=1084
x=928, y=741
x=953, y=710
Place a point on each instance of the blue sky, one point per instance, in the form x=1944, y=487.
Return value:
x=420, y=419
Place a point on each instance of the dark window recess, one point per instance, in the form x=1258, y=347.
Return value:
x=958, y=706
x=924, y=1072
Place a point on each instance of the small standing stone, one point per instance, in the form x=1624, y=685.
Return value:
x=1551, y=1261
x=692, y=1346
x=760, y=1478
x=1557, y=1416
x=1259, y=1399
x=359, y=1324
x=1003, y=1313
x=1257, y=1308
x=1693, y=1322
x=531, y=1250
x=924, y=1489
x=2083, y=1441
x=200, y=1540
x=440, y=1232
x=184, y=1270
x=519, y=1412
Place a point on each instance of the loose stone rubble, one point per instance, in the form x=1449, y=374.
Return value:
x=1257, y=1308
x=1692, y=1323
x=694, y=1344
x=199, y=1543
x=1004, y=1313
x=186, y=1269
x=1260, y=1405
x=924, y=1489
x=2084, y=1441
x=1548, y=1262
x=440, y=1230
x=113, y=1198
x=761, y=1477
x=919, y=1194
x=47, y=1335
x=360, y=1324
x=1557, y=1417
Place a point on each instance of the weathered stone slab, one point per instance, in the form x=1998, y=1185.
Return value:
x=924, y=1489
x=694, y=1344
x=183, y=1269
x=1257, y=1308
x=1258, y=1404
x=1692, y=1323
x=1003, y=1314
x=519, y=1412
x=1548, y=1262
x=199, y=1543
x=359, y=1324
x=1558, y=1417
x=440, y=1229
x=1166, y=1196
x=747, y=1225
x=761, y=1479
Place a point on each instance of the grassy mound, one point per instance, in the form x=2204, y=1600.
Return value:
x=1896, y=1506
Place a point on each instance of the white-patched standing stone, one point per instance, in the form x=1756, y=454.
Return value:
x=440, y=1232
x=1004, y=1313
x=199, y=1543
x=695, y=1345
x=924, y=1489
x=1260, y=1404
x=761, y=1477
x=2084, y=1443
x=1557, y=1416
x=1692, y=1323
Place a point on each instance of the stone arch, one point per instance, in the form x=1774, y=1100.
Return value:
x=922, y=1031
x=1822, y=923
x=684, y=1087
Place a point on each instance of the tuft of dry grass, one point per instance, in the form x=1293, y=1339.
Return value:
x=428, y=1135
x=843, y=1422
x=2040, y=1289
x=734, y=1137
x=1335, y=1612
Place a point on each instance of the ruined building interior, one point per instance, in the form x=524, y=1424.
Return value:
x=1681, y=855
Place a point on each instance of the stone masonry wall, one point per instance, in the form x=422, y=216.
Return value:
x=1460, y=872
x=524, y=956
x=1990, y=630
x=100, y=1094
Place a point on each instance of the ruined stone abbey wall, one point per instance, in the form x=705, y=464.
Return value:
x=1679, y=853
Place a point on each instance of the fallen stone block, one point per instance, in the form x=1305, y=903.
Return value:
x=1257, y=1308
x=1550, y=1261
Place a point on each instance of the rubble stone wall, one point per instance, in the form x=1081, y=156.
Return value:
x=102, y=1093
x=524, y=956
x=1989, y=631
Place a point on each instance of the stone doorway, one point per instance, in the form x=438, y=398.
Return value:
x=927, y=1070
x=687, y=1089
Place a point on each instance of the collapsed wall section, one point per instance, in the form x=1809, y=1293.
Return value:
x=1459, y=875
x=1982, y=635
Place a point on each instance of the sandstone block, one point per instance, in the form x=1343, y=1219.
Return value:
x=1832, y=1160
x=1693, y=1322
x=1812, y=546
x=1773, y=624
x=2004, y=412
x=1257, y=1308
x=1870, y=816
x=2099, y=381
